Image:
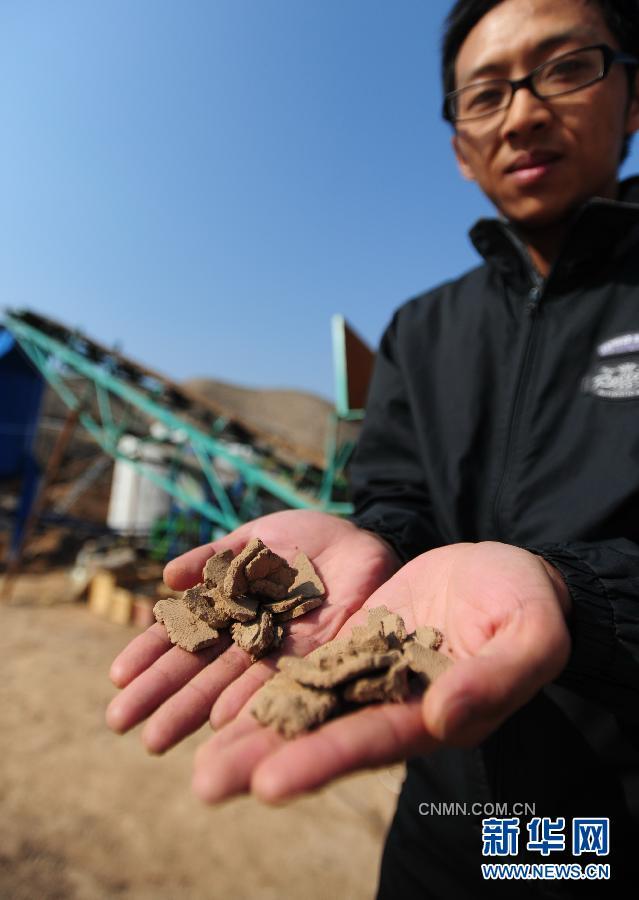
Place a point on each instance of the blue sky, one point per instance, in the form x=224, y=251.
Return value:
x=207, y=182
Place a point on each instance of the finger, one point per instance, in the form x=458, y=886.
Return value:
x=141, y=653
x=302, y=638
x=152, y=687
x=238, y=692
x=475, y=695
x=368, y=738
x=189, y=708
x=243, y=724
x=224, y=771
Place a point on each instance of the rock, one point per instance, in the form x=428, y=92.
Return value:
x=424, y=661
x=250, y=594
x=282, y=606
x=394, y=630
x=290, y=707
x=216, y=567
x=307, y=582
x=269, y=574
x=390, y=687
x=239, y=609
x=369, y=637
x=378, y=613
x=199, y=602
x=235, y=580
x=300, y=610
x=255, y=637
x=328, y=651
x=375, y=664
x=429, y=636
x=331, y=671
x=183, y=627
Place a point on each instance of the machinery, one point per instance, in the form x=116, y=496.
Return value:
x=213, y=463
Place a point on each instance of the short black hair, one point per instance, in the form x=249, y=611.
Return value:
x=621, y=17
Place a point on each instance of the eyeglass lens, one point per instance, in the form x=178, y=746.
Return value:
x=558, y=76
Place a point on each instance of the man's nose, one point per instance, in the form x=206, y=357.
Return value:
x=526, y=113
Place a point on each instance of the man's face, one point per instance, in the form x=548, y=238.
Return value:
x=582, y=133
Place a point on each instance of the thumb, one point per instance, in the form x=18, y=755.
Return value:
x=472, y=698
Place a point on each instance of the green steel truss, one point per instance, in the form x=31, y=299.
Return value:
x=117, y=398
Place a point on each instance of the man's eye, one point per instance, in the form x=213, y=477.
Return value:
x=485, y=99
x=567, y=70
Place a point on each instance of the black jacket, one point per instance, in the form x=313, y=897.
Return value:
x=505, y=407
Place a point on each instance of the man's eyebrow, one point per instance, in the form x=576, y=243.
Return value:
x=549, y=43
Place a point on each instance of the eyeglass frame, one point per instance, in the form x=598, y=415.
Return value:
x=610, y=57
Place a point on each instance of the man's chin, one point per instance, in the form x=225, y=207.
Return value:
x=539, y=213
x=540, y=218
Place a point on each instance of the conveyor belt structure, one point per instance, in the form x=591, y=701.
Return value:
x=118, y=397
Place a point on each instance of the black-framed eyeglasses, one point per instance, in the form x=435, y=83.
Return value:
x=561, y=75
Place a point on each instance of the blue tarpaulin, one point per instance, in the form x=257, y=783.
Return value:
x=21, y=387
x=20, y=395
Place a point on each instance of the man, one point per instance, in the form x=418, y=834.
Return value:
x=497, y=475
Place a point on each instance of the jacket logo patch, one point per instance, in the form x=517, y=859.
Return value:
x=614, y=382
x=622, y=343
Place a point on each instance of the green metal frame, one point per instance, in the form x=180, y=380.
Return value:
x=339, y=366
x=56, y=361
x=340, y=372
x=338, y=455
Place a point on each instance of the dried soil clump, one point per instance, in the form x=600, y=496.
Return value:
x=259, y=636
x=250, y=594
x=183, y=627
x=291, y=707
x=379, y=663
x=329, y=672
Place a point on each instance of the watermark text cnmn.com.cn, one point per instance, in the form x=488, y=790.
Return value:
x=449, y=808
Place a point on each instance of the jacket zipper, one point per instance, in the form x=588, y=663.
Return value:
x=532, y=306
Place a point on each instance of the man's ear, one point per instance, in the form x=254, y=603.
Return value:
x=464, y=168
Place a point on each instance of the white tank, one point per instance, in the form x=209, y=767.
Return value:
x=136, y=502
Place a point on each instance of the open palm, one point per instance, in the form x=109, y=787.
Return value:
x=503, y=616
x=178, y=690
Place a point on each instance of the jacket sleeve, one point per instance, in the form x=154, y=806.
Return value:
x=386, y=474
x=603, y=581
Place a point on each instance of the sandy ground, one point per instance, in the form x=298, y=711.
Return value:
x=87, y=814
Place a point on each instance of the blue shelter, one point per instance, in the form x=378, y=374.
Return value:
x=21, y=387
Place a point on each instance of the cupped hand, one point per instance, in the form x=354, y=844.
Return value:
x=178, y=690
x=503, y=614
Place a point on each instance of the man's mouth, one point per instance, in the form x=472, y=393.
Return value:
x=529, y=167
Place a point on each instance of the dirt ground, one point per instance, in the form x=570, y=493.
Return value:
x=87, y=814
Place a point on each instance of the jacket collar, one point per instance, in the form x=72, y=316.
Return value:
x=602, y=230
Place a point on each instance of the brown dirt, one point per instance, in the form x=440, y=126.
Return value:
x=89, y=815
x=371, y=666
x=298, y=418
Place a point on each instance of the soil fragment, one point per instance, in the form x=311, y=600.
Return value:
x=183, y=627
